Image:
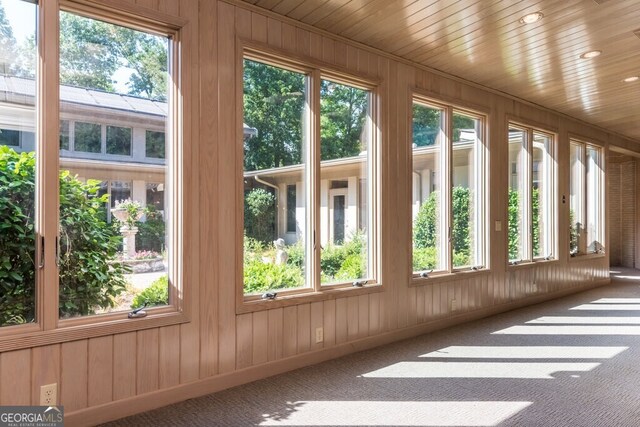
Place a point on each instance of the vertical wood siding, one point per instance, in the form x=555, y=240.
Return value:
x=217, y=340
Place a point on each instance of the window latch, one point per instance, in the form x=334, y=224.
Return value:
x=425, y=274
x=477, y=267
x=548, y=257
x=57, y=251
x=269, y=295
x=359, y=283
x=41, y=261
x=138, y=312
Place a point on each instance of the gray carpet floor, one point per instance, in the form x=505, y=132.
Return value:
x=570, y=362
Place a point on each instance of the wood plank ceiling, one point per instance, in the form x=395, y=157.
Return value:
x=483, y=41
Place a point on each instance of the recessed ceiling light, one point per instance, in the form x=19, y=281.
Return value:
x=531, y=18
x=631, y=79
x=591, y=54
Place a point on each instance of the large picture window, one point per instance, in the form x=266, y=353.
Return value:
x=532, y=195
x=99, y=258
x=586, y=207
x=307, y=195
x=448, y=196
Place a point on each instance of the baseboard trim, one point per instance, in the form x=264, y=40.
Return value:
x=149, y=401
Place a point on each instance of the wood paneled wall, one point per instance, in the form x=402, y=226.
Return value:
x=106, y=377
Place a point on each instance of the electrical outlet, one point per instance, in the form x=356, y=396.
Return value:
x=454, y=305
x=49, y=395
x=319, y=335
x=534, y=288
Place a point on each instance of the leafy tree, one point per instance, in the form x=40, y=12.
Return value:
x=8, y=48
x=90, y=276
x=88, y=52
x=92, y=51
x=260, y=215
x=343, y=110
x=273, y=105
x=426, y=123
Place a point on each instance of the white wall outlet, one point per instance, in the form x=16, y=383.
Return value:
x=49, y=395
x=454, y=305
x=498, y=225
x=534, y=288
x=319, y=335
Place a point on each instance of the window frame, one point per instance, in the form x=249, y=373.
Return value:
x=315, y=72
x=48, y=328
x=584, y=144
x=529, y=131
x=480, y=166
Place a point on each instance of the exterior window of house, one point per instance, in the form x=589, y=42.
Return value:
x=19, y=259
x=64, y=134
x=448, y=187
x=108, y=283
x=10, y=137
x=87, y=137
x=291, y=208
x=586, y=199
x=154, y=144
x=155, y=196
x=326, y=173
x=119, y=191
x=532, y=189
x=119, y=140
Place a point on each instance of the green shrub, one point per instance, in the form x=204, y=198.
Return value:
x=260, y=215
x=332, y=258
x=156, y=294
x=151, y=233
x=261, y=277
x=425, y=226
x=90, y=276
x=17, y=238
x=296, y=255
x=424, y=259
x=353, y=267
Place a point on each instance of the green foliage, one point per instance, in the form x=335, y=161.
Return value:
x=514, y=237
x=151, y=233
x=427, y=125
x=89, y=275
x=156, y=294
x=353, y=267
x=261, y=276
x=425, y=226
x=92, y=51
x=425, y=238
x=535, y=219
x=574, y=233
x=343, y=110
x=461, y=233
x=273, y=104
x=260, y=215
x=424, y=258
x=17, y=237
x=344, y=262
x=8, y=48
x=514, y=225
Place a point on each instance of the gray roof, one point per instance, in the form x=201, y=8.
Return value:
x=20, y=90
x=11, y=86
